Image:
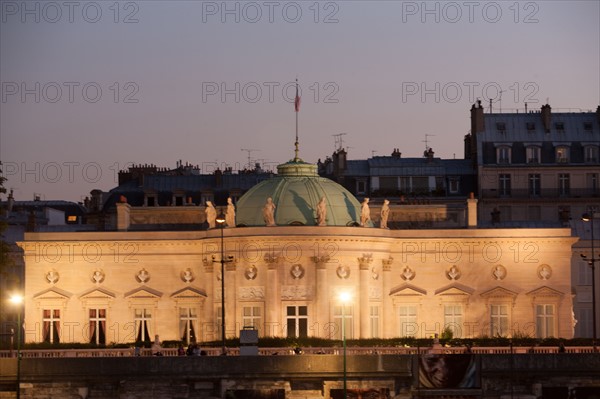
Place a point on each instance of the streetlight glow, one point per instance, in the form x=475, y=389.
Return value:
x=16, y=299
x=344, y=298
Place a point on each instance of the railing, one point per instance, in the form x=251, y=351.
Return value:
x=541, y=193
x=129, y=352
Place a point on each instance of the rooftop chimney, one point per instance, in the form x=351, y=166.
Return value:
x=546, y=117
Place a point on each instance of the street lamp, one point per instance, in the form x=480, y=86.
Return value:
x=344, y=299
x=589, y=217
x=17, y=300
x=221, y=222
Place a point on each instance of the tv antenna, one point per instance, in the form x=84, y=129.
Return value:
x=499, y=101
x=426, y=141
x=338, y=141
x=249, y=151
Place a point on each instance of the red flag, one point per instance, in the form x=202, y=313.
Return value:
x=297, y=99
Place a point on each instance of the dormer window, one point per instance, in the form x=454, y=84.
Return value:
x=591, y=153
x=503, y=155
x=501, y=126
x=560, y=126
x=533, y=154
x=530, y=126
x=587, y=126
x=562, y=154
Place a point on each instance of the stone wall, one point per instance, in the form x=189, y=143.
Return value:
x=288, y=377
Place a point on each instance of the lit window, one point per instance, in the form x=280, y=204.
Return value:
x=51, y=325
x=453, y=319
x=545, y=319
x=97, y=326
x=297, y=321
x=499, y=320
x=72, y=218
x=252, y=317
x=562, y=154
x=347, y=317
x=407, y=316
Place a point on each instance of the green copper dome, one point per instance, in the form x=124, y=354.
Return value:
x=296, y=191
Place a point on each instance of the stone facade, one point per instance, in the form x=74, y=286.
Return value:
x=125, y=286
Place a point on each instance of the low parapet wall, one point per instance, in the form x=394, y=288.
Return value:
x=280, y=377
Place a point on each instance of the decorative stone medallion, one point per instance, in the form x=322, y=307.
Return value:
x=343, y=271
x=52, y=276
x=544, y=272
x=498, y=272
x=297, y=271
x=98, y=276
x=187, y=275
x=453, y=273
x=408, y=273
x=143, y=276
x=251, y=272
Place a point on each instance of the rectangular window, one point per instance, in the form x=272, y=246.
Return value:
x=560, y=126
x=453, y=319
x=592, y=182
x=534, y=184
x=142, y=318
x=188, y=324
x=503, y=155
x=584, y=326
x=499, y=320
x=407, y=317
x=374, y=321
x=297, y=321
x=591, y=153
x=587, y=126
x=252, y=317
x=347, y=318
x=545, y=320
x=530, y=126
x=504, y=182
x=454, y=185
x=533, y=154
x=562, y=154
x=564, y=184
x=97, y=326
x=51, y=325
x=361, y=187
x=501, y=126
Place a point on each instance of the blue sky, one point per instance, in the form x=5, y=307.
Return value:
x=91, y=87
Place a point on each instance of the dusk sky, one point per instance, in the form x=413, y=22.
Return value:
x=89, y=88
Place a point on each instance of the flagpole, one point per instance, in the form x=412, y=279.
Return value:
x=297, y=108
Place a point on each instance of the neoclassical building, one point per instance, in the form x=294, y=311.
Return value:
x=141, y=280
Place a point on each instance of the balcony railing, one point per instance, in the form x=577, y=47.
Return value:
x=402, y=350
x=541, y=193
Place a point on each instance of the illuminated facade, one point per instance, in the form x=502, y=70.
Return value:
x=134, y=283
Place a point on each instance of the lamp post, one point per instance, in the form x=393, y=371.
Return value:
x=221, y=222
x=17, y=300
x=344, y=298
x=589, y=217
